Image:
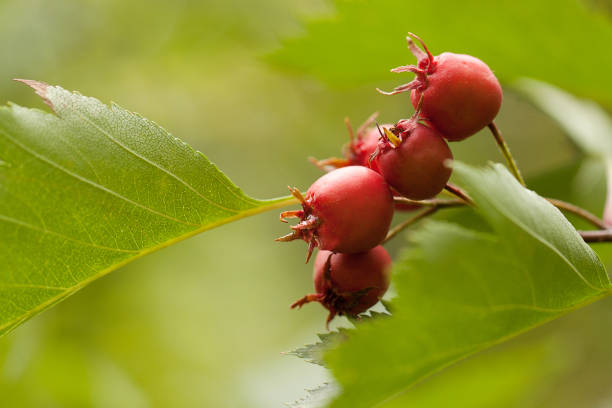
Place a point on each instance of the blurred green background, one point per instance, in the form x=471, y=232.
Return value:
x=203, y=323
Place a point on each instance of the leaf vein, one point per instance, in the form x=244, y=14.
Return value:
x=152, y=163
x=91, y=183
x=47, y=231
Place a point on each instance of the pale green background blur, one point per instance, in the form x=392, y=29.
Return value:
x=203, y=323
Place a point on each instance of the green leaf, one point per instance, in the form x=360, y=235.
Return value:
x=313, y=353
x=501, y=378
x=91, y=188
x=461, y=291
x=316, y=397
x=363, y=39
x=586, y=123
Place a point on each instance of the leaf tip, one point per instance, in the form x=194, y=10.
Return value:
x=39, y=87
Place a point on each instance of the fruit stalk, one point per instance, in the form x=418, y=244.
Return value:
x=399, y=228
x=506, y=152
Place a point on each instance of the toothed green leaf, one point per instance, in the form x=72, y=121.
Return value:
x=316, y=397
x=90, y=188
x=461, y=291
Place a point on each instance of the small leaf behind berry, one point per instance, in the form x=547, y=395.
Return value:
x=90, y=188
x=461, y=291
x=313, y=353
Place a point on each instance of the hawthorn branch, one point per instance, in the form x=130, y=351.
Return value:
x=501, y=143
x=602, y=234
x=597, y=236
x=430, y=203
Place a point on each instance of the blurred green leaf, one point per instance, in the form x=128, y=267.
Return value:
x=504, y=378
x=313, y=353
x=363, y=39
x=590, y=128
x=585, y=122
x=461, y=291
x=92, y=188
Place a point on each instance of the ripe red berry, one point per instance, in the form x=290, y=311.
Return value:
x=349, y=284
x=414, y=163
x=461, y=95
x=346, y=210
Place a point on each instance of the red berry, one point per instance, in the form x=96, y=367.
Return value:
x=358, y=150
x=346, y=210
x=461, y=95
x=415, y=167
x=349, y=283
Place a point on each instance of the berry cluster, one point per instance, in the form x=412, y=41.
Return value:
x=347, y=212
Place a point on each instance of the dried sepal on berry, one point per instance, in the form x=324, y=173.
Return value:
x=426, y=64
x=346, y=210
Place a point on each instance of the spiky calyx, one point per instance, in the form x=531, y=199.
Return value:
x=349, y=284
x=426, y=65
x=459, y=93
x=347, y=210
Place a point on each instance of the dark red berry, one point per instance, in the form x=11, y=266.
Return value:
x=346, y=210
x=412, y=160
x=461, y=95
x=349, y=284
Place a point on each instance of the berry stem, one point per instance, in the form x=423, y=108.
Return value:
x=457, y=191
x=501, y=143
x=399, y=228
x=430, y=203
